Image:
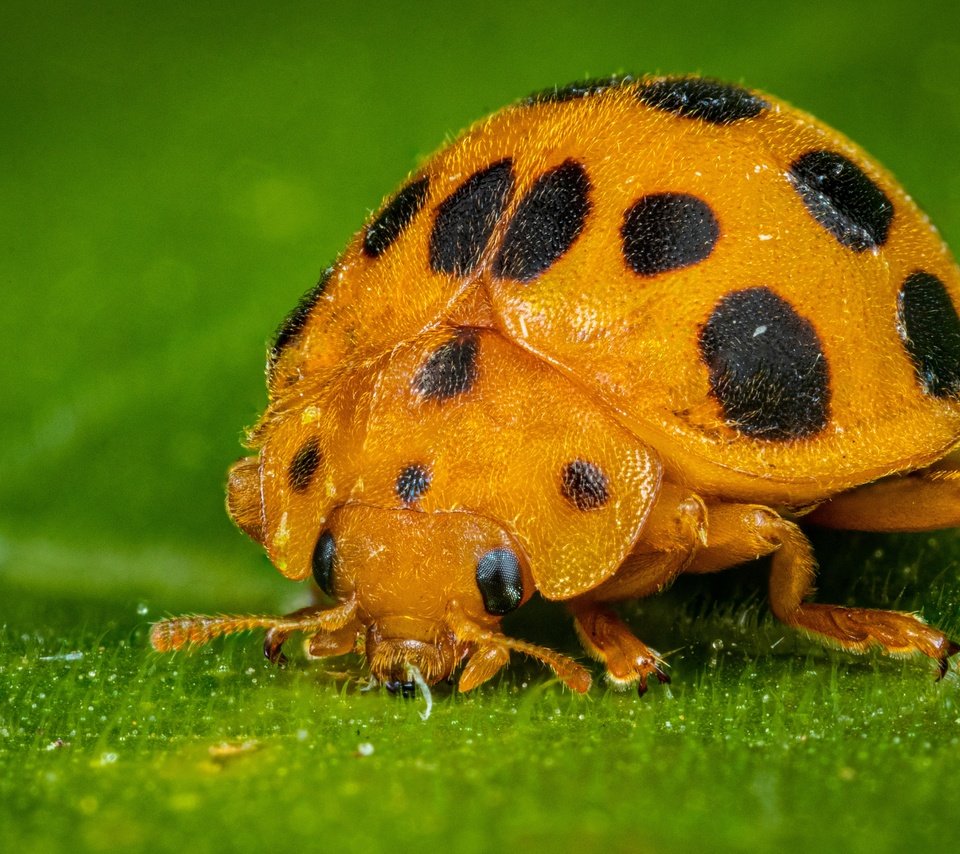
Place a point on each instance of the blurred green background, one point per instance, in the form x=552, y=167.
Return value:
x=174, y=176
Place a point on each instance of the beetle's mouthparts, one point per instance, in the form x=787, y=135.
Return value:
x=389, y=657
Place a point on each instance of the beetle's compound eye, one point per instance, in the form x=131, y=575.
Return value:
x=324, y=562
x=500, y=582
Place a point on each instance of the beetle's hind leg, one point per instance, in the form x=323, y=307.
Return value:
x=925, y=500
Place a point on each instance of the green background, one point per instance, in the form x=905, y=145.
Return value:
x=173, y=177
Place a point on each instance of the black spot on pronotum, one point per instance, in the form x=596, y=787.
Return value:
x=767, y=368
x=577, y=90
x=325, y=562
x=500, y=581
x=304, y=465
x=930, y=330
x=394, y=218
x=668, y=231
x=708, y=100
x=451, y=369
x=842, y=199
x=466, y=219
x=547, y=221
x=584, y=485
x=292, y=326
x=412, y=482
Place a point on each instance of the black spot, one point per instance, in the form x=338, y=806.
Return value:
x=577, y=90
x=584, y=485
x=547, y=221
x=767, y=368
x=451, y=369
x=500, y=581
x=930, y=330
x=466, y=219
x=709, y=100
x=325, y=562
x=668, y=231
x=289, y=331
x=842, y=199
x=412, y=482
x=394, y=218
x=304, y=466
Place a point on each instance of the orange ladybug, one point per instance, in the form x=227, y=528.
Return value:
x=613, y=333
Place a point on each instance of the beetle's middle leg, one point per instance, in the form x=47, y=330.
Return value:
x=741, y=532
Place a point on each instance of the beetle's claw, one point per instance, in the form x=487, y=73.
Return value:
x=943, y=664
x=273, y=647
x=662, y=677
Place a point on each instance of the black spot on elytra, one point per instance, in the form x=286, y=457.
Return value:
x=500, y=581
x=451, y=369
x=842, y=199
x=412, y=482
x=668, y=231
x=292, y=326
x=394, y=218
x=547, y=221
x=466, y=219
x=304, y=465
x=930, y=330
x=324, y=562
x=708, y=100
x=584, y=485
x=577, y=90
x=767, y=368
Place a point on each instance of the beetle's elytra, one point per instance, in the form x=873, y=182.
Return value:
x=613, y=333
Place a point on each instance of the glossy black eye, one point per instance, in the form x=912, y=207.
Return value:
x=324, y=561
x=500, y=582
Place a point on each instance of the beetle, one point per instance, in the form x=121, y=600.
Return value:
x=616, y=332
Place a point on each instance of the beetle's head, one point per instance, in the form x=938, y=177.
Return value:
x=413, y=590
x=428, y=587
x=428, y=591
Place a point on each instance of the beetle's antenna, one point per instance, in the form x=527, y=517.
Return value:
x=197, y=630
x=574, y=676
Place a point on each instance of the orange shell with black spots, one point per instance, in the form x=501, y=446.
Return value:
x=611, y=333
x=631, y=344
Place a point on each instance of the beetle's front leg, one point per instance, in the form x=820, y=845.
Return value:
x=672, y=537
